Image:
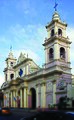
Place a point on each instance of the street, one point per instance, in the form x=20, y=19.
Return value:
x=17, y=114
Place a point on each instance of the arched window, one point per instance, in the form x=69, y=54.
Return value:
x=62, y=52
x=11, y=64
x=52, y=32
x=59, y=32
x=51, y=53
x=11, y=76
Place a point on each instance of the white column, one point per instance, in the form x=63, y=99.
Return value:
x=8, y=76
x=46, y=55
x=20, y=97
x=27, y=69
x=7, y=99
x=48, y=33
x=14, y=102
x=68, y=54
x=11, y=98
x=37, y=97
x=54, y=95
x=56, y=30
x=56, y=51
x=43, y=96
x=25, y=97
x=16, y=98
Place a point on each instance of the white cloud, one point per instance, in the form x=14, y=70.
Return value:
x=1, y=79
x=23, y=4
x=70, y=33
x=26, y=39
x=29, y=38
x=25, y=7
x=31, y=54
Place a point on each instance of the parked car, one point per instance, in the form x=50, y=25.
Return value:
x=51, y=115
x=5, y=111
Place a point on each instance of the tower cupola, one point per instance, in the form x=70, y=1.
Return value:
x=56, y=16
x=10, y=62
x=10, y=55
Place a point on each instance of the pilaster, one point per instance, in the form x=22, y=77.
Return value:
x=16, y=97
x=43, y=95
x=56, y=51
x=68, y=58
x=54, y=91
x=25, y=97
x=14, y=102
x=20, y=97
x=11, y=99
x=37, y=97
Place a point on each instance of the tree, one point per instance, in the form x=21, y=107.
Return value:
x=63, y=103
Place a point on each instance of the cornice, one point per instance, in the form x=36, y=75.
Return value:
x=61, y=92
x=11, y=69
x=55, y=21
x=10, y=59
x=54, y=38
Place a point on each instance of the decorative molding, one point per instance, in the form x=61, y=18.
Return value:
x=61, y=92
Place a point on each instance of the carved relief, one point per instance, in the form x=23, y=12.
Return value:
x=61, y=85
x=49, y=86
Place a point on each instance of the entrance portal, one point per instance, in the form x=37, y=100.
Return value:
x=33, y=100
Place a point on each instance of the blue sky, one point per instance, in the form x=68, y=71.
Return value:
x=22, y=25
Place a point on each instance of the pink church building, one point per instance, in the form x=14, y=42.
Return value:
x=29, y=86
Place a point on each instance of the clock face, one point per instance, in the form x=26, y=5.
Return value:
x=20, y=72
x=61, y=84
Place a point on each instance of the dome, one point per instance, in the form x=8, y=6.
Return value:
x=56, y=16
x=10, y=55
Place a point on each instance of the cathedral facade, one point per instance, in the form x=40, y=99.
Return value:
x=29, y=86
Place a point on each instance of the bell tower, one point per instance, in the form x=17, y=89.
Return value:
x=57, y=45
x=10, y=62
x=57, y=57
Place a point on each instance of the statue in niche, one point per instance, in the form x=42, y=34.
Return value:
x=49, y=86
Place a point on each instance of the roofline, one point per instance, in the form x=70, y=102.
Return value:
x=63, y=39
x=10, y=59
x=18, y=64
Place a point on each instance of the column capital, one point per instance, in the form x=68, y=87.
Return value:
x=25, y=88
x=54, y=81
x=43, y=83
x=37, y=84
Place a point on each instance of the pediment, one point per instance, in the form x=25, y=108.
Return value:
x=21, y=58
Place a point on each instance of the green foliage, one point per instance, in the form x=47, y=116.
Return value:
x=63, y=103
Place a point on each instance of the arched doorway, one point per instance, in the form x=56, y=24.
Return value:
x=1, y=99
x=33, y=98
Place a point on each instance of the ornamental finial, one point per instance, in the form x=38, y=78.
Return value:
x=56, y=4
x=11, y=48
